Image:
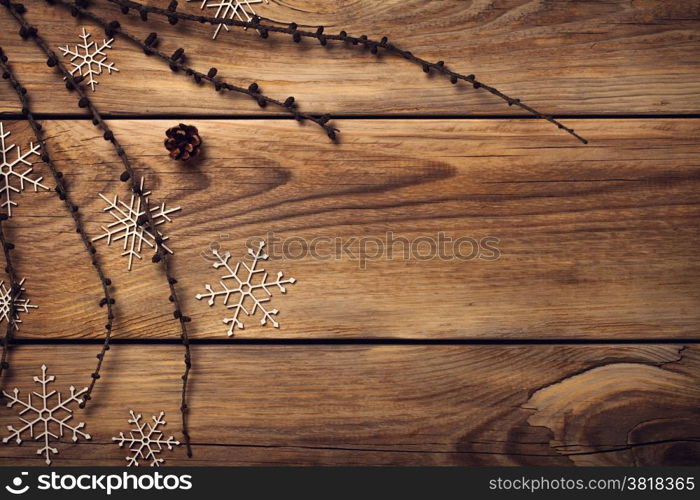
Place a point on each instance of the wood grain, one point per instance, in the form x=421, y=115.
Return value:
x=387, y=405
x=595, y=242
x=564, y=57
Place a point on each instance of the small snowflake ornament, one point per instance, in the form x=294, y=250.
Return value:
x=10, y=166
x=231, y=9
x=21, y=305
x=145, y=441
x=50, y=415
x=129, y=227
x=239, y=288
x=90, y=59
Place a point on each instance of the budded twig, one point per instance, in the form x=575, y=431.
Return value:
x=176, y=63
x=129, y=175
x=374, y=46
x=61, y=190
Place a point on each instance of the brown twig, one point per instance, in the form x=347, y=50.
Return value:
x=374, y=46
x=15, y=291
x=175, y=61
x=62, y=192
x=128, y=175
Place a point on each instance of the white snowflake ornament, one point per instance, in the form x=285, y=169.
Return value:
x=90, y=59
x=127, y=227
x=50, y=416
x=21, y=305
x=148, y=441
x=244, y=288
x=231, y=9
x=9, y=169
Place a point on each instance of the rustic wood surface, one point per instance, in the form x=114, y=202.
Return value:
x=388, y=405
x=565, y=57
x=376, y=366
x=595, y=242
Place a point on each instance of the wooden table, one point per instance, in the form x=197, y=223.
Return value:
x=578, y=345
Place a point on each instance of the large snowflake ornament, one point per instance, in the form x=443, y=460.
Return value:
x=50, y=416
x=145, y=441
x=90, y=58
x=20, y=305
x=128, y=224
x=231, y=9
x=244, y=285
x=9, y=165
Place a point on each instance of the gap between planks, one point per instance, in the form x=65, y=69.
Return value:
x=369, y=341
x=355, y=116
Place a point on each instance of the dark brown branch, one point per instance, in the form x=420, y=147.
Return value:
x=15, y=290
x=128, y=175
x=175, y=61
x=323, y=38
x=62, y=192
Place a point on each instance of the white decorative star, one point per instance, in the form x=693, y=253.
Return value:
x=239, y=9
x=145, y=441
x=50, y=420
x=91, y=58
x=244, y=288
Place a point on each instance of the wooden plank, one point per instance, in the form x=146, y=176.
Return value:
x=385, y=405
x=564, y=57
x=595, y=242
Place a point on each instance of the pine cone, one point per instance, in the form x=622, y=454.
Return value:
x=183, y=142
